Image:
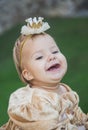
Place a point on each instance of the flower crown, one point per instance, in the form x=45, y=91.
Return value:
x=34, y=26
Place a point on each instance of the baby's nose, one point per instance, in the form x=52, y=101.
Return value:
x=51, y=57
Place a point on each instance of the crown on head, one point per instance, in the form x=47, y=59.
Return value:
x=34, y=26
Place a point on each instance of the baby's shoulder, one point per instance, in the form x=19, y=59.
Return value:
x=21, y=94
x=27, y=95
x=70, y=93
x=65, y=87
x=20, y=91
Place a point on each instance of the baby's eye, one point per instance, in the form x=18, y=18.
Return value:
x=40, y=57
x=54, y=52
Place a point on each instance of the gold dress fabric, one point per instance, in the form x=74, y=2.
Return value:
x=38, y=109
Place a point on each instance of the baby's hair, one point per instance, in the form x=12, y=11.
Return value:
x=16, y=56
x=17, y=50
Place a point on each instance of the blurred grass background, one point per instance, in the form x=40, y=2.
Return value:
x=71, y=34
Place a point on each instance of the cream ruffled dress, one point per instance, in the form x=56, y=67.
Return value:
x=38, y=109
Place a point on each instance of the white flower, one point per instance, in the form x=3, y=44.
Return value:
x=29, y=20
x=39, y=27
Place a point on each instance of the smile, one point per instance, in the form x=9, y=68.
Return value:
x=54, y=67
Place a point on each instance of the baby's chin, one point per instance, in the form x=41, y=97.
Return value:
x=57, y=77
x=55, y=80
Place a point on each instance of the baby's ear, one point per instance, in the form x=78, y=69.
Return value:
x=27, y=75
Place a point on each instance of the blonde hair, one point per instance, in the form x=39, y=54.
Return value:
x=17, y=50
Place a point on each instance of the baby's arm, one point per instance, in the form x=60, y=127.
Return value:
x=39, y=114
x=80, y=117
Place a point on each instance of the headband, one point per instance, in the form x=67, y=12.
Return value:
x=34, y=26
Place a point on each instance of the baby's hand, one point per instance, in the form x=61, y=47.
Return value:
x=81, y=127
x=67, y=126
x=86, y=123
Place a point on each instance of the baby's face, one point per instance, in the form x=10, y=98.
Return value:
x=43, y=60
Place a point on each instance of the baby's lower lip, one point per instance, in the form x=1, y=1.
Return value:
x=54, y=71
x=54, y=68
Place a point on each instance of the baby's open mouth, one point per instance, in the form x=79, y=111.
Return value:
x=54, y=67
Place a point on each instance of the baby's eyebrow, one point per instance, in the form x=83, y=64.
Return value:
x=37, y=52
x=41, y=50
x=55, y=47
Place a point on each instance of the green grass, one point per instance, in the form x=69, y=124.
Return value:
x=71, y=36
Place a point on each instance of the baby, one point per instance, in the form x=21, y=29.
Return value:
x=45, y=103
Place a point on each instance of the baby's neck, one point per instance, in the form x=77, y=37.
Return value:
x=47, y=87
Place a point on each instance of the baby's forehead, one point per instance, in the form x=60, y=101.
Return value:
x=43, y=38
x=40, y=41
